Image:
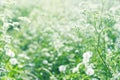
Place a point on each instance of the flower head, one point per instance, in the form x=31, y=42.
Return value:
x=87, y=54
x=10, y=53
x=74, y=70
x=89, y=71
x=86, y=57
x=62, y=68
x=13, y=61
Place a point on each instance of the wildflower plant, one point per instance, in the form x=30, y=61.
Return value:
x=59, y=40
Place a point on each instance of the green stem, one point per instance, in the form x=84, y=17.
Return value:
x=99, y=53
x=98, y=46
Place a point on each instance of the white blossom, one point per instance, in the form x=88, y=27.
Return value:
x=45, y=62
x=10, y=53
x=62, y=68
x=115, y=76
x=53, y=78
x=31, y=64
x=13, y=61
x=86, y=57
x=74, y=70
x=87, y=54
x=85, y=60
x=89, y=71
x=24, y=56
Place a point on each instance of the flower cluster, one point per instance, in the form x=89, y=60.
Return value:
x=86, y=58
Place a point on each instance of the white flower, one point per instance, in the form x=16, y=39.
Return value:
x=13, y=61
x=10, y=53
x=62, y=68
x=87, y=54
x=45, y=62
x=85, y=60
x=31, y=64
x=76, y=51
x=47, y=54
x=74, y=70
x=23, y=56
x=86, y=57
x=115, y=76
x=89, y=71
x=58, y=44
x=53, y=78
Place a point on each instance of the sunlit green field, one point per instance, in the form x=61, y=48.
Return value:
x=59, y=39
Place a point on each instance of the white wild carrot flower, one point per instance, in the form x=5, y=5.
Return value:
x=10, y=53
x=62, y=68
x=13, y=61
x=89, y=71
x=86, y=57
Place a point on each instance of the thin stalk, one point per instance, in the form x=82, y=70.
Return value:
x=98, y=46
